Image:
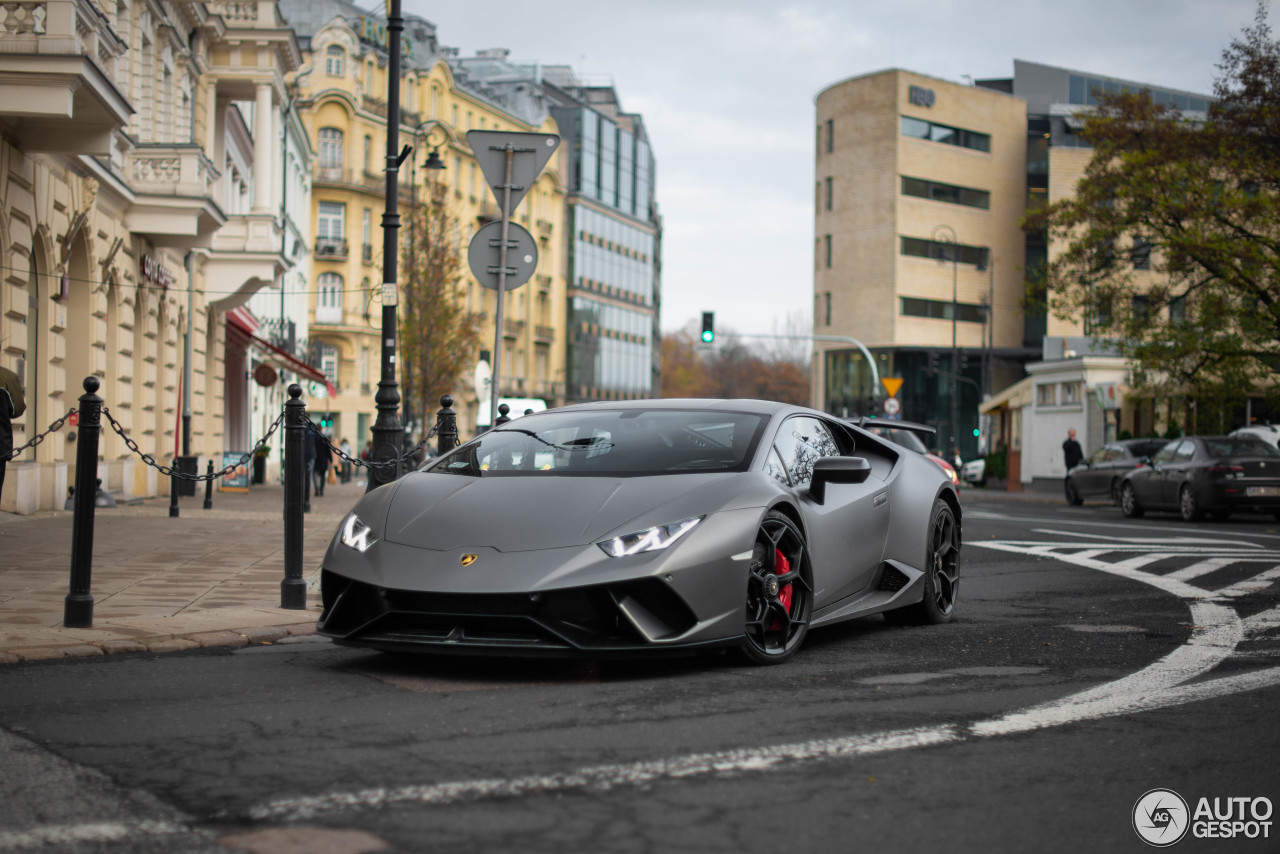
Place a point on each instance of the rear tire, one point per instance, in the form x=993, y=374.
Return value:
x=942, y=572
x=1073, y=497
x=1188, y=506
x=1129, y=505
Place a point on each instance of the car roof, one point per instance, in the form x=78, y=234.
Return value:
x=759, y=407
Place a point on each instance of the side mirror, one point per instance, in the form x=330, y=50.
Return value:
x=836, y=470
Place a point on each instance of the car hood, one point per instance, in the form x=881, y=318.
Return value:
x=510, y=514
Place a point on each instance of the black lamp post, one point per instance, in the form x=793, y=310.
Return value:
x=433, y=163
x=388, y=432
x=949, y=235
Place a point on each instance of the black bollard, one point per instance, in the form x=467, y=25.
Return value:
x=77, y=611
x=503, y=414
x=293, y=590
x=208, y=487
x=173, y=491
x=446, y=426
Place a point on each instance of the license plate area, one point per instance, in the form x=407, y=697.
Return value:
x=1263, y=491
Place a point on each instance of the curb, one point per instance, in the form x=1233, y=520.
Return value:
x=255, y=635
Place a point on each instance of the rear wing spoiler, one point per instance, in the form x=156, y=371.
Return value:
x=867, y=423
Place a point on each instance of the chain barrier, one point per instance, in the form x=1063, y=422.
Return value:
x=54, y=427
x=171, y=472
x=369, y=464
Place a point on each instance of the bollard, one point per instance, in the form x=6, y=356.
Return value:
x=173, y=491
x=503, y=414
x=293, y=590
x=77, y=610
x=208, y=487
x=446, y=426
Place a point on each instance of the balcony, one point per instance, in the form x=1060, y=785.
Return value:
x=330, y=249
x=544, y=334
x=282, y=333
x=512, y=328
x=174, y=186
x=544, y=227
x=488, y=212
x=53, y=96
x=329, y=315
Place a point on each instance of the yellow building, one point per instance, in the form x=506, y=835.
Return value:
x=139, y=204
x=340, y=93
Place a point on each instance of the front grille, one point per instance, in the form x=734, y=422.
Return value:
x=577, y=618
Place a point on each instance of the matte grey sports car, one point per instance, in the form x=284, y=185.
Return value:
x=643, y=526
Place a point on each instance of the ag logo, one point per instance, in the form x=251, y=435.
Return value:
x=1161, y=818
x=467, y=560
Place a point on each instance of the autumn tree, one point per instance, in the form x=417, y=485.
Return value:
x=439, y=337
x=733, y=368
x=1196, y=201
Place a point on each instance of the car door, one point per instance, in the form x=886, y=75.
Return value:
x=1095, y=478
x=1148, y=480
x=1175, y=473
x=847, y=531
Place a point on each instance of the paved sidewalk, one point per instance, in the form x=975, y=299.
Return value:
x=207, y=578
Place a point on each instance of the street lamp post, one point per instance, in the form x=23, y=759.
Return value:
x=432, y=163
x=388, y=432
x=948, y=234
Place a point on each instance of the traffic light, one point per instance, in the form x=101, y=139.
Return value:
x=931, y=367
x=326, y=421
x=708, y=327
x=976, y=432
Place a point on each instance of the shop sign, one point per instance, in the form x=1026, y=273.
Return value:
x=374, y=32
x=155, y=272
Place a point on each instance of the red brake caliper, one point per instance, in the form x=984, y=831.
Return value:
x=782, y=567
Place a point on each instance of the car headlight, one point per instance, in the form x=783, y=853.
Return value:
x=649, y=540
x=356, y=534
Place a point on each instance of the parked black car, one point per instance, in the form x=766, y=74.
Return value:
x=1099, y=476
x=1206, y=474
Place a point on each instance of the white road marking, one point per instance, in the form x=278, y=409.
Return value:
x=1168, y=682
x=1159, y=541
x=69, y=834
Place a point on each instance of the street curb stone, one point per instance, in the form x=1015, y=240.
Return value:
x=226, y=638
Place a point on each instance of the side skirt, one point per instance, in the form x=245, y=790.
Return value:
x=896, y=584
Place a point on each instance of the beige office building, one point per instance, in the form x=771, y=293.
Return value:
x=919, y=254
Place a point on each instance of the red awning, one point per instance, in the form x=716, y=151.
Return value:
x=243, y=321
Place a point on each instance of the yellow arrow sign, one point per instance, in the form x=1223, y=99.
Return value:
x=891, y=385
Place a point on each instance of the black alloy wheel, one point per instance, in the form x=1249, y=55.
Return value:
x=1114, y=491
x=1129, y=505
x=942, y=571
x=779, y=592
x=1188, y=506
x=1073, y=496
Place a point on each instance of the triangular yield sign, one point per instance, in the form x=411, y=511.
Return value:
x=531, y=151
x=891, y=385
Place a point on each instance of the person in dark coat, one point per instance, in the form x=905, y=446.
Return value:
x=1072, y=454
x=12, y=405
x=324, y=459
x=309, y=461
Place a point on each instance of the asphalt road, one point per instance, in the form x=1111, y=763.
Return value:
x=1094, y=659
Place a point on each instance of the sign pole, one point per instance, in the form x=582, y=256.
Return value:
x=496, y=383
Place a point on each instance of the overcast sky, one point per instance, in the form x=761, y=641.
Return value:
x=727, y=92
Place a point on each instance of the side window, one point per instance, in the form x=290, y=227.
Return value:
x=1166, y=453
x=774, y=468
x=801, y=442
x=1186, y=451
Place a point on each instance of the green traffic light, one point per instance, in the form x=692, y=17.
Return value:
x=976, y=432
x=708, y=336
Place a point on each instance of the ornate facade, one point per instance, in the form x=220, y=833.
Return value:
x=142, y=200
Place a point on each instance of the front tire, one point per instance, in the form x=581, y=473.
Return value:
x=1129, y=505
x=779, y=592
x=942, y=572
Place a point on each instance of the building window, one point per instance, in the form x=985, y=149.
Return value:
x=327, y=361
x=826, y=248
x=1141, y=253
x=831, y=135
x=921, y=129
x=949, y=193
x=331, y=220
x=827, y=308
x=1141, y=307
x=329, y=298
x=941, y=309
x=330, y=148
x=830, y=192
x=941, y=250
x=1047, y=395
x=1178, y=310
x=1070, y=393
x=333, y=60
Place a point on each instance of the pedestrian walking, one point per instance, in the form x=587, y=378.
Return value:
x=345, y=447
x=12, y=405
x=1072, y=454
x=309, y=457
x=324, y=458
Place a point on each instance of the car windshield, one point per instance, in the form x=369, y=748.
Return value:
x=1147, y=448
x=1240, y=446
x=610, y=443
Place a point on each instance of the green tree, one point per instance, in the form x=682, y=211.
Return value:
x=439, y=337
x=1196, y=201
